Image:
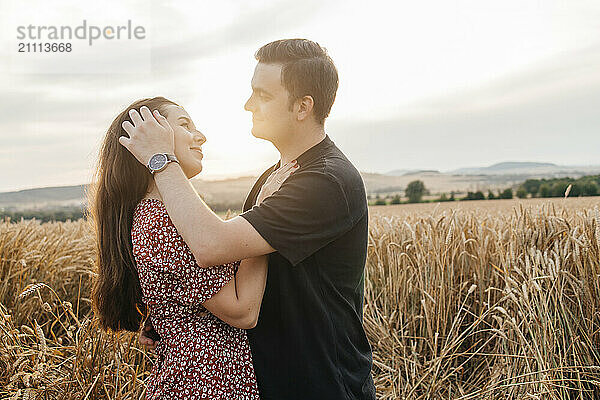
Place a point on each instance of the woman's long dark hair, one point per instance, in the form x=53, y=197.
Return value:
x=120, y=183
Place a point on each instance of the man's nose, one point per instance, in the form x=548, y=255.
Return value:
x=248, y=105
x=199, y=137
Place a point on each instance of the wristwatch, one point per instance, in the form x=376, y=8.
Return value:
x=159, y=161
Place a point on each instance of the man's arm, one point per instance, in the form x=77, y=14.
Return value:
x=211, y=240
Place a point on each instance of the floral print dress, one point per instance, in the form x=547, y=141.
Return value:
x=199, y=356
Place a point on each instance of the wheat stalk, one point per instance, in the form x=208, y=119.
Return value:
x=490, y=300
x=30, y=289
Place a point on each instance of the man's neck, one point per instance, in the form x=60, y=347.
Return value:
x=300, y=143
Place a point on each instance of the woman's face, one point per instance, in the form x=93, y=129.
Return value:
x=188, y=141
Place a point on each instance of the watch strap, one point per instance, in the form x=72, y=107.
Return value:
x=171, y=158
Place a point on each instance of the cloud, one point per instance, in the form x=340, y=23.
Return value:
x=546, y=113
x=543, y=113
x=54, y=122
x=67, y=98
x=252, y=26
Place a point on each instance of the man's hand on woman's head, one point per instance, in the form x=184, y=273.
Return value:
x=149, y=134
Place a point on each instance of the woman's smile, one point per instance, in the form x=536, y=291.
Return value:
x=198, y=149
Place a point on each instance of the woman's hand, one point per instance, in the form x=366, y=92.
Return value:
x=274, y=181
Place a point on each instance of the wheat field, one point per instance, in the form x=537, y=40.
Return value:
x=470, y=300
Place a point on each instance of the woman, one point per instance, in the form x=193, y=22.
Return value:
x=146, y=269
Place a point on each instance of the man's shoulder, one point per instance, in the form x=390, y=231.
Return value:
x=340, y=168
x=335, y=164
x=340, y=171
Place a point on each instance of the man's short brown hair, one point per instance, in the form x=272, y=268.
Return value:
x=307, y=70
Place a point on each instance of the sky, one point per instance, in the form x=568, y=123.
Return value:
x=423, y=85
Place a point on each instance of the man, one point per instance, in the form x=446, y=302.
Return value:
x=309, y=342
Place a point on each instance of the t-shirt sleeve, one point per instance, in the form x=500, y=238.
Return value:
x=176, y=262
x=309, y=211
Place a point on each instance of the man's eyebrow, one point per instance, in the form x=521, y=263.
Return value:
x=258, y=89
x=183, y=117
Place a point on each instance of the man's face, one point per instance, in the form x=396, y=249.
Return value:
x=269, y=104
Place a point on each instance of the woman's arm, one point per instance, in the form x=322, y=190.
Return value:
x=239, y=308
x=238, y=302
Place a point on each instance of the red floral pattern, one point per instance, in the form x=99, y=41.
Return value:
x=199, y=356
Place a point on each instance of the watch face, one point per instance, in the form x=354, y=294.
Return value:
x=157, y=161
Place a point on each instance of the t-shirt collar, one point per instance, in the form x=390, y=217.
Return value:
x=313, y=153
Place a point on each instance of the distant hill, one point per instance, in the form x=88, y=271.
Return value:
x=47, y=196
x=231, y=193
x=397, y=172
x=403, y=172
x=503, y=166
x=528, y=168
x=226, y=193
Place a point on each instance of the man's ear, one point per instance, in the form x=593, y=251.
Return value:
x=305, y=107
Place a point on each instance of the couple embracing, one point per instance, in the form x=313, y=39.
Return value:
x=267, y=304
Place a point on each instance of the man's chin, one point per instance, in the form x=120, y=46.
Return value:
x=259, y=135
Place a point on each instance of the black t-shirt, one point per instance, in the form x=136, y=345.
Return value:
x=309, y=342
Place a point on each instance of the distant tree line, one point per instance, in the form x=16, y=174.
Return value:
x=555, y=187
x=74, y=213
x=44, y=215
x=415, y=191
x=584, y=186
x=502, y=194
